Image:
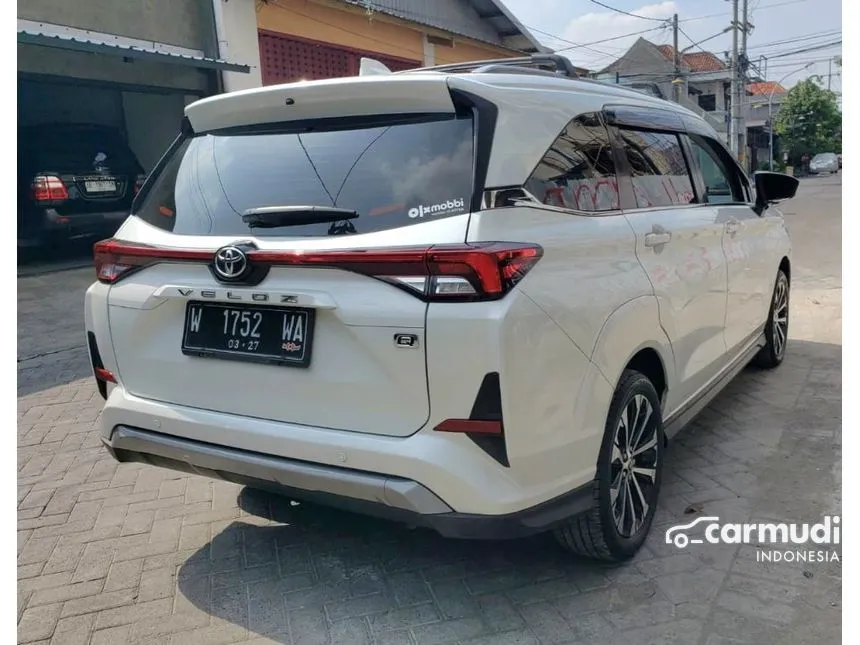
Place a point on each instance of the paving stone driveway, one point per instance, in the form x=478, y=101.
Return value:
x=111, y=554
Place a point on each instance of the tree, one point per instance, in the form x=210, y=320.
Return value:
x=809, y=120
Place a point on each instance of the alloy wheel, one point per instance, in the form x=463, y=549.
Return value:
x=635, y=452
x=780, y=317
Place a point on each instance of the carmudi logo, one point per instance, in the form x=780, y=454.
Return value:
x=437, y=209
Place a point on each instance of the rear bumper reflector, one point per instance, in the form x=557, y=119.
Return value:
x=470, y=426
x=104, y=375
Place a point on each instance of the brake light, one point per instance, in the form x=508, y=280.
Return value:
x=485, y=271
x=49, y=188
x=138, y=184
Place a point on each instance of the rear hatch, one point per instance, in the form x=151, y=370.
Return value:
x=279, y=280
x=80, y=170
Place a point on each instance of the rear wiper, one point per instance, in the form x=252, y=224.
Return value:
x=278, y=216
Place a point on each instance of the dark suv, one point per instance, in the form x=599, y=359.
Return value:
x=74, y=180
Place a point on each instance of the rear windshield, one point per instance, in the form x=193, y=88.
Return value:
x=392, y=175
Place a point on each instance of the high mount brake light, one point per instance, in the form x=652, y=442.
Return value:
x=444, y=272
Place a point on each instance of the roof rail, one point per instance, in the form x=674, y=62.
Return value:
x=557, y=64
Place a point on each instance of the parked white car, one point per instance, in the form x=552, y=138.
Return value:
x=477, y=298
x=824, y=162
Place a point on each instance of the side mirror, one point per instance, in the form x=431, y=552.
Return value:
x=771, y=187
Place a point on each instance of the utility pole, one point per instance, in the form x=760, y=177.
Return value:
x=735, y=91
x=742, y=122
x=829, y=72
x=676, y=82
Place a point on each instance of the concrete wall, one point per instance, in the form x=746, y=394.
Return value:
x=239, y=43
x=186, y=23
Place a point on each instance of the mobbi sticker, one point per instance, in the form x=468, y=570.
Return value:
x=442, y=208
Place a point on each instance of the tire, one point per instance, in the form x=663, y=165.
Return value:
x=606, y=532
x=776, y=327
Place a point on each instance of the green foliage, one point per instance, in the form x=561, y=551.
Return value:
x=809, y=120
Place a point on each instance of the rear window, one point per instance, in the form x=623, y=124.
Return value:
x=392, y=175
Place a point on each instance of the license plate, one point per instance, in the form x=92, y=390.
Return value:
x=100, y=186
x=277, y=335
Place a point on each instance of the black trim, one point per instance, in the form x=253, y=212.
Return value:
x=530, y=521
x=697, y=180
x=644, y=118
x=484, y=118
x=96, y=363
x=488, y=407
x=623, y=176
x=336, y=123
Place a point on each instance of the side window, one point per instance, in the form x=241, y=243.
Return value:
x=657, y=168
x=723, y=184
x=578, y=170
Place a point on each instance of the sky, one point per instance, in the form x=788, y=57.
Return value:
x=780, y=27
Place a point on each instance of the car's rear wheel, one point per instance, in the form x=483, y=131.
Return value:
x=776, y=328
x=628, y=478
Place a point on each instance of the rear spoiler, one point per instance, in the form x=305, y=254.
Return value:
x=372, y=95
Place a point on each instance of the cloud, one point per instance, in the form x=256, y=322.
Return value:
x=595, y=26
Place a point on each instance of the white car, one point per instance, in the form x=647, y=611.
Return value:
x=824, y=162
x=476, y=298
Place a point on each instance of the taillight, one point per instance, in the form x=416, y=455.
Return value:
x=138, y=184
x=456, y=272
x=115, y=258
x=49, y=188
x=445, y=272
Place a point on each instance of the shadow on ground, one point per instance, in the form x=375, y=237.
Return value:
x=768, y=447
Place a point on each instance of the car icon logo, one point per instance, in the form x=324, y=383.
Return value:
x=230, y=263
x=677, y=535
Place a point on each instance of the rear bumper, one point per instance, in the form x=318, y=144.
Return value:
x=379, y=495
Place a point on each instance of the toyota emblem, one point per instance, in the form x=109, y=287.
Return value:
x=230, y=263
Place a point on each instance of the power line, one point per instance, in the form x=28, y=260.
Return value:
x=627, y=13
x=726, y=13
x=697, y=44
x=822, y=34
x=575, y=45
x=823, y=59
x=806, y=49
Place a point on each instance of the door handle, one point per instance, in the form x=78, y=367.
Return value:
x=733, y=226
x=657, y=239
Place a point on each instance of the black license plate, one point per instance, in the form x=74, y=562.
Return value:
x=247, y=333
